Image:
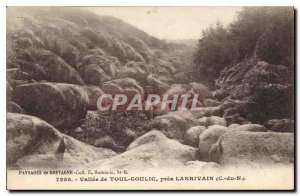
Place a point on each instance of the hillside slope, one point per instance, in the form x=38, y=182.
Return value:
x=79, y=47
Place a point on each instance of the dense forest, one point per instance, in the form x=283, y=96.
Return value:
x=60, y=60
x=261, y=33
x=252, y=58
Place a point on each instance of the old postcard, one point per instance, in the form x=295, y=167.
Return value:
x=150, y=98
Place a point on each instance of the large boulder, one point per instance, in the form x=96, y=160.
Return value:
x=14, y=108
x=62, y=105
x=96, y=68
x=191, y=136
x=152, y=150
x=32, y=143
x=252, y=148
x=93, y=93
x=209, y=137
x=280, y=125
x=174, y=124
x=212, y=120
x=152, y=136
x=56, y=69
x=250, y=128
x=99, y=61
x=94, y=75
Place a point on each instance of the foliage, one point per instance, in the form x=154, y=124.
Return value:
x=265, y=33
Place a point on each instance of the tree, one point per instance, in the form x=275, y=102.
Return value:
x=265, y=33
x=214, y=51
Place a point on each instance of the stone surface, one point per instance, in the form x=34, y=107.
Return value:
x=62, y=105
x=209, y=137
x=151, y=150
x=191, y=136
x=33, y=143
x=252, y=148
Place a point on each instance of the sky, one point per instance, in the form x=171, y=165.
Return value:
x=171, y=22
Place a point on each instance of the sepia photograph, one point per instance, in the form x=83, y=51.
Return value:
x=150, y=98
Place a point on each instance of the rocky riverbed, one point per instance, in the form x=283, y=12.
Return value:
x=58, y=66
